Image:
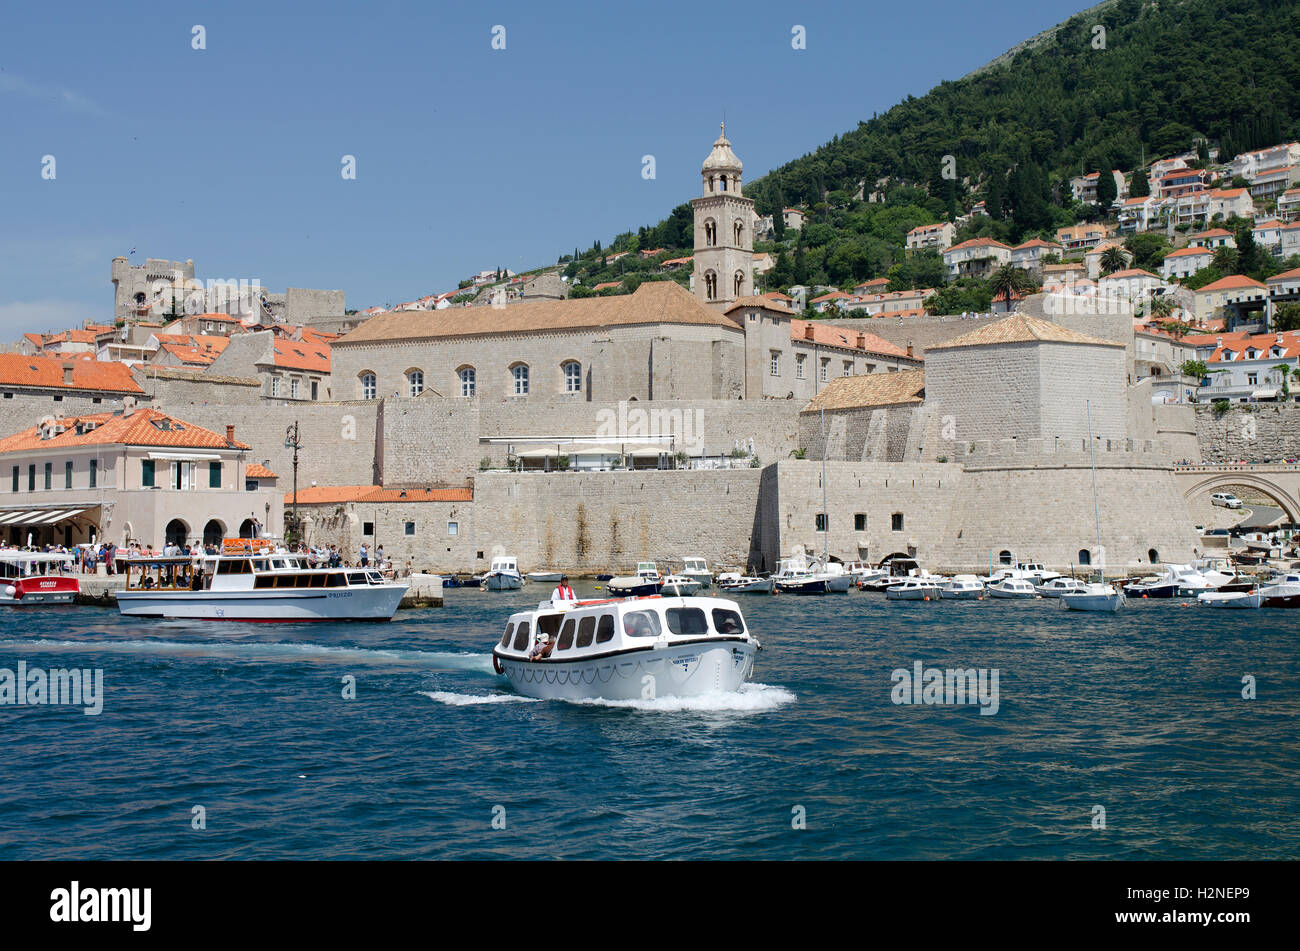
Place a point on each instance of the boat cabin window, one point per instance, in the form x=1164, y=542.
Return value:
x=549, y=624
x=521, y=637
x=259, y=564
x=566, y=636
x=586, y=631
x=375, y=577
x=233, y=566
x=605, y=629
x=505, y=638
x=356, y=577
x=727, y=622
x=642, y=624
x=687, y=621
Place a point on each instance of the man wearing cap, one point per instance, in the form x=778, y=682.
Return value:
x=563, y=592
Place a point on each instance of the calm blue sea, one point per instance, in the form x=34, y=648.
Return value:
x=1141, y=714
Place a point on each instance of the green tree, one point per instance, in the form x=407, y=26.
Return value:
x=1196, y=368
x=1009, y=280
x=1287, y=317
x=800, y=261
x=1139, y=187
x=1107, y=191
x=1112, y=259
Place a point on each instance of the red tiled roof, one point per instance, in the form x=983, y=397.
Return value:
x=141, y=428
x=302, y=355
x=828, y=336
x=255, y=470
x=336, y=494
x=1231, y=282
x=47, y=372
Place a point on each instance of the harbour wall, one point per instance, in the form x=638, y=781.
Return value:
x=1248, y=432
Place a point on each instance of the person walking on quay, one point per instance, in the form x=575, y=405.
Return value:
x=365, y=555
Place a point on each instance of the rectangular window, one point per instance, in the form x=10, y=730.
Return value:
x=293, y=388
x=798, y=367
x=214, y=475
x=314, y=386
x=453, y=528
x=821, y=521
x=250, y=485
x=848, y=367
x=896, y=521
x=860, y=522
x=15, y=478
x=67, y=474
x=31, y=478
x=410, y=528
x=774, y=364
x=367, y=528
x=94, y=473
x=275, y=386
x=826, y=367
x=49, y=475
x=147, y=473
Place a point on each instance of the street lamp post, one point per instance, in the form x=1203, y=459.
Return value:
x=291, y=442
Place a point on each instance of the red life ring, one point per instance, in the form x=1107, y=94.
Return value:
x=496, y=664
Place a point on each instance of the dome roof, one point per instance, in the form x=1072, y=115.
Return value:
x=722, y=158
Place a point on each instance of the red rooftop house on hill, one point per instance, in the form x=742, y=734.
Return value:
x=134, y=475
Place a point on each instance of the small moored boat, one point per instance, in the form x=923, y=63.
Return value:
x=503, y=574
x=29, y=578
x=960, y=588
x=647, y=580
x=1012, y=588
x=1097, y=597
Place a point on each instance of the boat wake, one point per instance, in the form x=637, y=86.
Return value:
x=265, y=652
x=750, y=698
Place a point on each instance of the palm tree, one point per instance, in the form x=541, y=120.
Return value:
x=1162, y=306
x=1009, y=281
x=1112, y=259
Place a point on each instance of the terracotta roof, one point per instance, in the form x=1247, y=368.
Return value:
x=826, y=335
x=770, y=302
x=47, y=372
x=255, y=470
x=1231, y=282
x=337, y=494
x=653, y=302
x=602, y=286
x=1021, y=328
x=144, y=427
x=1213, y=233
x=1291, y=275
x=1037, y=243
x=1129, y=275
x=1189, y=252
x=302, y=355
x=978, y=243
x=833, y=295
x=870, y=389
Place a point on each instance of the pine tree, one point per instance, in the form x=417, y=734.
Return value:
x=1107, y=191
x=800, y=261
x=1139, y=187
x=995, y=196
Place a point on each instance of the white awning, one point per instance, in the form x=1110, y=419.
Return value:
x=1264, y=395
x=13, y=518
x=51, y=517
x=185, y=456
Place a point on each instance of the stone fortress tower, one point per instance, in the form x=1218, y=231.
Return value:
x=724, y=243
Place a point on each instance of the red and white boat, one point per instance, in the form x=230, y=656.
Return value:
x=30, y=578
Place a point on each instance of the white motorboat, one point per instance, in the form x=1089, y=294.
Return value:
x=1282, y=592
x=647, y=580
x=629, y=649
x=747, y=584
x=1231, y=599
x=249, y=582
x=29, y=578
x=503, y=574
x=961, y=587
x=793, y=576
x=679, y=585
x=1012, y=588
x=1059, y=586
x=698, y=570
x=1094, y=596
x=914, y=589
x=545, y=577
x=838, y=578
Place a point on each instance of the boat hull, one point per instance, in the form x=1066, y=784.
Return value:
x=996, y=592
x=503, y=582
x=1099, y=603
x=762, y=586
x=682, y=670
x=545, y=577
x=961, y=594
x=1231, y=599
x=377, y=603
x=898, y=593
x=631, y=587
x=811, y=586
x=39, y=591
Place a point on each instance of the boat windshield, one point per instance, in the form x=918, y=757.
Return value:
x=642, y=624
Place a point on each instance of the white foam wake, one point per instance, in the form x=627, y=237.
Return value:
x=469, y=699
x=265, y=651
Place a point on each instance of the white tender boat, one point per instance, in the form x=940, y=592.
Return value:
x=29, y=578
x=747, y=584
x=914, y=589
x=545, y=577
x=1012, y=588
x=1093, y=597
x=961, y=588
x=246, y=583
x=1282, y=592
x=627, y=649
x=679, y=585
x=1231, y=599
x=503, y=574
x=1059, y=586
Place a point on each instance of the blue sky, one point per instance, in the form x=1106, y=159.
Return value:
x=466, y=157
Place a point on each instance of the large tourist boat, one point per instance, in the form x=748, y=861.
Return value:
x=249, y=581
x=27, y=578
x=639, y=648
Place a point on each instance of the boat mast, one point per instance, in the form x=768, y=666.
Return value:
x=1096, y=512
x=826, y=516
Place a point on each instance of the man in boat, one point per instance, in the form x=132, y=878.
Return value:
x=543, y=648
x=562, y=591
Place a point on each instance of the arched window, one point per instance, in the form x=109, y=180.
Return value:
x=572, y=377
x=1004, y=557
x=710, y=232
x=738, y=281
x=520, y=374
x=414, y=382
x=1085, y=556
x=710, y=183
x=723, y=182
x=739, y=231
x=1152, y=555
x=176, y=532
x=710, y=285
x=369, y=385
x=467, y=381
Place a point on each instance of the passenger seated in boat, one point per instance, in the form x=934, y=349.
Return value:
x=543, y=648
x=637, y=625
x=728, y=624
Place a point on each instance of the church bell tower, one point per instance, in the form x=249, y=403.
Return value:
x=724, y=241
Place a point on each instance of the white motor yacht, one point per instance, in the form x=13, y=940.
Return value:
x=629, y=649
x=647, y=580
x=1059, y=586
x=1283, y=592
x=697, y=569
x=1095, y=596
x=1011, y=588
x=962, y=588
x=747, y=584
x=503, y=574
x=914, y=589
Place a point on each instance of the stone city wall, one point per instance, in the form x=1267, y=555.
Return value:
x=1248, y=432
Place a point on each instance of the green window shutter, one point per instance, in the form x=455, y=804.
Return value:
x=214, y=475
x=67, y=474
x=94, y=473
x=146, y=473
